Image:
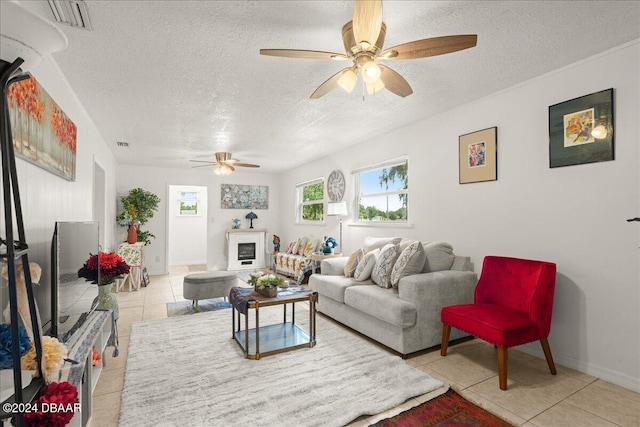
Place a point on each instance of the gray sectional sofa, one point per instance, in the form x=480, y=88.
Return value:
x=406, y=318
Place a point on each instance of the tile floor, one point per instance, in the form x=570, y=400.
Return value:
x=535, y=398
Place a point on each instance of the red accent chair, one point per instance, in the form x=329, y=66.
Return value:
x=512, y=305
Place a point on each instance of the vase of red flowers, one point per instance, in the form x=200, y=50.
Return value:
x=103, y=269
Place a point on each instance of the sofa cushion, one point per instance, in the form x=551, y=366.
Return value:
x=332, y=286
x=382, y=304
x=290, y=247
x=371, y=243
x=365, y=267
x=439, y=257
x=381, y=273
x=411, y=261
x=352, y=263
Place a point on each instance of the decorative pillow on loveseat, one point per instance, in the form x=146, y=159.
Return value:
x=352, y=263
x=365, y=267
x=381, y=273
x=411, y=261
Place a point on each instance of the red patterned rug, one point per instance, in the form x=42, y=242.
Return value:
x=447, y=410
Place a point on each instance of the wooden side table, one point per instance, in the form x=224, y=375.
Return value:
x=133, y=256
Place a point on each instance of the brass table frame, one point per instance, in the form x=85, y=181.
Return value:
x=281, y=337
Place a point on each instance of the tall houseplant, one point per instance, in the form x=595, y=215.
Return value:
x=138, y=208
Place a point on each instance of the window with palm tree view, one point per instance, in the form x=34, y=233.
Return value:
x=311, y=200
x=384, y=193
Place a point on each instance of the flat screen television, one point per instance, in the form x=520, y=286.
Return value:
x=72, y=296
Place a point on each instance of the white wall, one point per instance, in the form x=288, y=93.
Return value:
x=187, y=241
x=573, y=216
x=158, y=180
x=47, y=198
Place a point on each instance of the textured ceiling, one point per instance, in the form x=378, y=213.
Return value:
x=179, y=80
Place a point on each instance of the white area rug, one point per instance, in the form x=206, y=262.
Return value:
x=187, y=370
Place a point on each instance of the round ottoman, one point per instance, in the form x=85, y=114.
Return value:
x=208, y=284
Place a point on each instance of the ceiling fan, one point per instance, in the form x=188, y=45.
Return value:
x=363, y=38
x=224, y=163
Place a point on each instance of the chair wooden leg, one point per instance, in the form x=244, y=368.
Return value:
x=502, y=367
x=446, y=331
x=547, y=354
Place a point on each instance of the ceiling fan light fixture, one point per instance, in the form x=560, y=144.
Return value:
x=223, y=169
x=348, y=80
x=370, y=72
x=374, y=87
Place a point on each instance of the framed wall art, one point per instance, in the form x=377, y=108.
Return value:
x=581, y=130
x=478, y=156
x=42, y=132
x=234, y=196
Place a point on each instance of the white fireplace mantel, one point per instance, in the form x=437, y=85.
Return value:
x=251, y=236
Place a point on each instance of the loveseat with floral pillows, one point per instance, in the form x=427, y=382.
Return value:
x=294, y=260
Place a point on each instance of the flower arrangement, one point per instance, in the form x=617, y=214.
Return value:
x=253, y=277
x=53, y=355
x=61, y=403
x=111, y=267
x=269, y=281
x=6, y=357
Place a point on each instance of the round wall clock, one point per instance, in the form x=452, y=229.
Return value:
x=335, y=186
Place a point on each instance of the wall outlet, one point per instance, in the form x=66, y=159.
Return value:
x=157, y=258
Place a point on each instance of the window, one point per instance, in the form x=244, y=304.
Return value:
x=311, y=200
x=383, y=192
x=188, y=203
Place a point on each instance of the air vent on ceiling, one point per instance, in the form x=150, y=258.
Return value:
x=122, y=144
x=71, y=12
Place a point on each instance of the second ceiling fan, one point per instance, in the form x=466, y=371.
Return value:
x=363, y=39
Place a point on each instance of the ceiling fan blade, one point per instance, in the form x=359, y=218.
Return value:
x=330, y=84
x=204, y=161
x=303, y=54
x=430, y=47
x=246, y=165
x=205, y=166
x=394, y=82
x=367, y=20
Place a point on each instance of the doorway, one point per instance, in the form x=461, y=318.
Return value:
x=187, y=225
x=99, y=201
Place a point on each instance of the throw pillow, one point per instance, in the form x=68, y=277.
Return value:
x=302, y=243
x=439, y=257
x=371, y=243
x=381, y=273
x=352, y=263
x=290, y=247
x=365, y=267
x=311, y=246
x=411, y=261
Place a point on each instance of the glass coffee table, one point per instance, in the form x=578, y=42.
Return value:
x=265, y=340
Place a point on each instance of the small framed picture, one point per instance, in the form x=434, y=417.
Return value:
x=478, y=156
x=581, y=130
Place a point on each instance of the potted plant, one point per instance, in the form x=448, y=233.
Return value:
x=266, y=284
x=138, y=208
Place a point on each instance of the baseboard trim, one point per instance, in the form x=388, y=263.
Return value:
x=610, y=375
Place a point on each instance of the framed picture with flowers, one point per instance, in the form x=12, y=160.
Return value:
x=581, y=130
